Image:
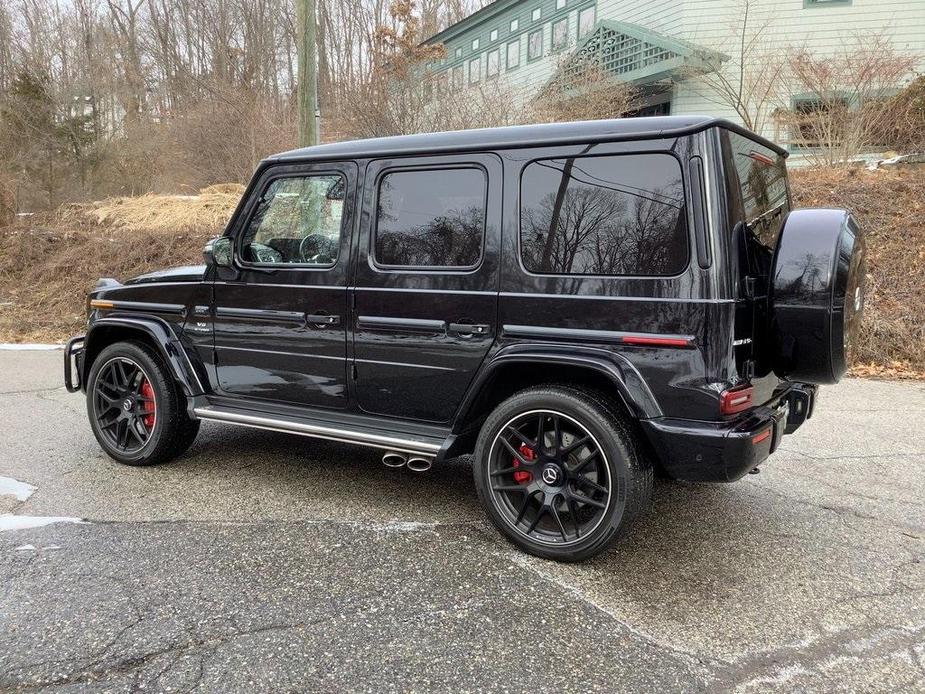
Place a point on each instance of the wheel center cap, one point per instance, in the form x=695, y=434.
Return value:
x=551, y=475
x=127, y=404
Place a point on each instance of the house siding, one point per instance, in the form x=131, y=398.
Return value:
x=825, y=29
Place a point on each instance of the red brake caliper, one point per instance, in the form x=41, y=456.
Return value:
x=523, y=476
x=147, y=411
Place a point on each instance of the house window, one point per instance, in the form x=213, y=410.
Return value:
x=475, y=44
x=560, y=4
x=493, y=63
x=824, y=3
x=536, y=14
x=599, y=216
x=515, y=25
x=458, y=52
x=493, y=36
x=475, y=70
x=585, y=22
x=535, y=45
x=560, y=34
x=458, y=77
x=513, y=54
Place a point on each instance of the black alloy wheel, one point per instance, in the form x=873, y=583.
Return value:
x=136, y=409
x=560, y=471
x=125, y=405
x=549, y=477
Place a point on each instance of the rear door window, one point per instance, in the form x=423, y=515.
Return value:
x=761, y=182
x=604, y=215
x=433, y=218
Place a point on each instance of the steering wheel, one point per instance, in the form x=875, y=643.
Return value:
x=315, y=248
x=261, y=253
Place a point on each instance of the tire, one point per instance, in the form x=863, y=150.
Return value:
x=137, y=424
x=532, y=491
x=817, y=295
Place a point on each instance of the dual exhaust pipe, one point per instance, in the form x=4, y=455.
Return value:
x=415, y=463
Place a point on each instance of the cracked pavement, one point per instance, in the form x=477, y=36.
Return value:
x=261, y=561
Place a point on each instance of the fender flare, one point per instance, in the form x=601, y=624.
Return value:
x=628, y=383
x=164, y=340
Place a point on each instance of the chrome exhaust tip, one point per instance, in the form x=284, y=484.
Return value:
x=394, y=460
x=419, y=464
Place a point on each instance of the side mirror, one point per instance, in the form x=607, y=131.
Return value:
x=218, y=252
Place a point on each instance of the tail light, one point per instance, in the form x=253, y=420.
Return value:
x=735, y=400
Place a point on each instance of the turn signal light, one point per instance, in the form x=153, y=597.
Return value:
x=735, y=400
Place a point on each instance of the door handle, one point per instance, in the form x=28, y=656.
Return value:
x=469, y=328
x=322, y=320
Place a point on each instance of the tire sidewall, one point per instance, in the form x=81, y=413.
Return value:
x=616, y=450
x=163, y=402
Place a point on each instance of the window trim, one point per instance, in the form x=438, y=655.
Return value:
x=507, y=65
x=536, y=14
x=541, y=32
x=477, y=60
x=514, y=25
x=646, y=152
x=552, y=35
x=593, y=10
x=493, y=32
x=811, y=4
x=238, y=246
x=443, y=269
x=488, y=75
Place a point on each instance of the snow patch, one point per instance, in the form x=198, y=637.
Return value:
x=10, y=522
x=27, y=347
x=13, y=487
x=26, y=548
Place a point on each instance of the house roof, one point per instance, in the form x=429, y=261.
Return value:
x=463, y=25
x=637, y=55
x=518, y=136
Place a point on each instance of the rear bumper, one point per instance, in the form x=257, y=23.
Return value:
x=73, y=364
x=699, y=451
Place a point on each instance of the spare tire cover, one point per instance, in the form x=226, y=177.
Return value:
x=817, y=295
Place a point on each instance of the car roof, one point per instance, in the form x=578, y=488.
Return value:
x=519, y=136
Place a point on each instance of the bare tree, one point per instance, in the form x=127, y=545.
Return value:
x=748, y=75
x=848, y=108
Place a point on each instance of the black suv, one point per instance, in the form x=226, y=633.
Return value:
x=577, y=305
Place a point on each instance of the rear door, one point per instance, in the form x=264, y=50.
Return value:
x=759, y=201
x=425, y=302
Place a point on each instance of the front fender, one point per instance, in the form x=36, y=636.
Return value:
x=104, y=331
x=619, y=373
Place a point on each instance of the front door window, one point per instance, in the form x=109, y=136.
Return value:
x=297, y=222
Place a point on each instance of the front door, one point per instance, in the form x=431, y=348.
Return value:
x=280, y=313
x=426, y=291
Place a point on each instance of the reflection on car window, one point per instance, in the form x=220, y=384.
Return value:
x=432, y=218
x=763, y=183
x=604, y=215
x=298, y=221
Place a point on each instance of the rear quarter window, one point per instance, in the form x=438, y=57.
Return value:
x=604, y=215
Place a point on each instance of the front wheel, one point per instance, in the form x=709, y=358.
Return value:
x=559, y=472
x=136, y=410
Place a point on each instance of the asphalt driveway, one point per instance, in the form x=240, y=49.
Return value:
x=262, y=561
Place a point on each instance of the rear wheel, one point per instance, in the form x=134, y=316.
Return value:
x=136, y=409
x=559, y=472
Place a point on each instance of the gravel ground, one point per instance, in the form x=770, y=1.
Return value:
x=262, y=561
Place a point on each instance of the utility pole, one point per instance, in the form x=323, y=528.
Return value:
x=307, y=95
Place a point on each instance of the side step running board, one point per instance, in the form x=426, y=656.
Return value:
x=321, y=430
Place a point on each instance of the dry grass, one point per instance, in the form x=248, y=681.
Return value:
x=890, y=206
x=48, y=263
x=159, y=213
